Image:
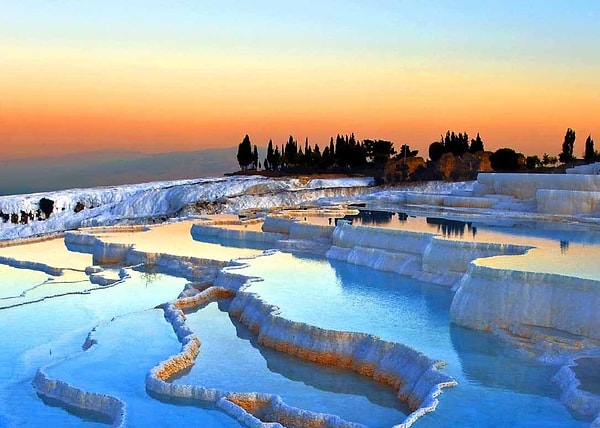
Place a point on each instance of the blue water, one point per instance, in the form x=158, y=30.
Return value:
x=481, y=228
x=497, y=385
x=131, y=339
x=231, y=359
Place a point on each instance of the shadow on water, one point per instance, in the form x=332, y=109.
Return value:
x=235, y=243
x=490, y=361
x=85, y=415
x=76, y=248
x=587, y=371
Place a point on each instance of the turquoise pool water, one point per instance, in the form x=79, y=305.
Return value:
x=131, y=338
x=231, y=359
x=497, y=385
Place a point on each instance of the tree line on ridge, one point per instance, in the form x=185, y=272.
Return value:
x=344, y=154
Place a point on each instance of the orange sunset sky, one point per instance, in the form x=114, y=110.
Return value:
x=158, y=76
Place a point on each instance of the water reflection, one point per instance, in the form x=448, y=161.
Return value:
x=324, y=378
x=231, y=359
x=446, y=227
x=371, y=218
x=452, y=228
x=235, y=243
x=489, y=361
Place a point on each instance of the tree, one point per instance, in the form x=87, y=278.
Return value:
x=549, y=160
x=505, y=160
x=456, y=144
x=317, y=158
x=245, y=156
x=290, y=153
x=270, y=161
x=436, y=150
x=378, y=151
x=406, y=152
x=46, y=206
x=566, y=155
x=476, y=145
x=255, y=158
x=590, y=154
x=532, y=162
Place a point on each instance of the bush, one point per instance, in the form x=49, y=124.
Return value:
x=505, y=160
x=47, y=206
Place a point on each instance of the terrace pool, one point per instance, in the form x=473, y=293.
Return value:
x=498, y=386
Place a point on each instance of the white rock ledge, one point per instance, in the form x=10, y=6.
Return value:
x=106, y=253
x=68, y=395
x=244, y=407
x=418, y=254
x=489, y=298
x=414, y=375
x=582, y=402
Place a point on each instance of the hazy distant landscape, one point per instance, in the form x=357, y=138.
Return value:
x=109, y=168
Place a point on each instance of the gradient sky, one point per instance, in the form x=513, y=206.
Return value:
x=158, y=76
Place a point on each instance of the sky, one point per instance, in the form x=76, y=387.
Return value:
x=159, y=76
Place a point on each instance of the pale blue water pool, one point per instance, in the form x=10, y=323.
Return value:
x=131, y=339
x=231, y=359
x=497, y=385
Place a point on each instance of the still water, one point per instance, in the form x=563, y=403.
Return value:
x=497, y=385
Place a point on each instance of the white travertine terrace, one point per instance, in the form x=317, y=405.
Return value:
x=69, y=395
x=414, y=375
x=192, y=268
x=566, y=194
x=589, y=169
x=417, y=254
x=487, y=297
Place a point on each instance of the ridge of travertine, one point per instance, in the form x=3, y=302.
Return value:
x=412, y=373
x=70, y=395
x=468, y=264
x=418, y=386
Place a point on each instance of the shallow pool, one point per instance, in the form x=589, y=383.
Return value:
x=231, y=359
x=497, y=385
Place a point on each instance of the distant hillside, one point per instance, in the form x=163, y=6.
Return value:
x=111, y=168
